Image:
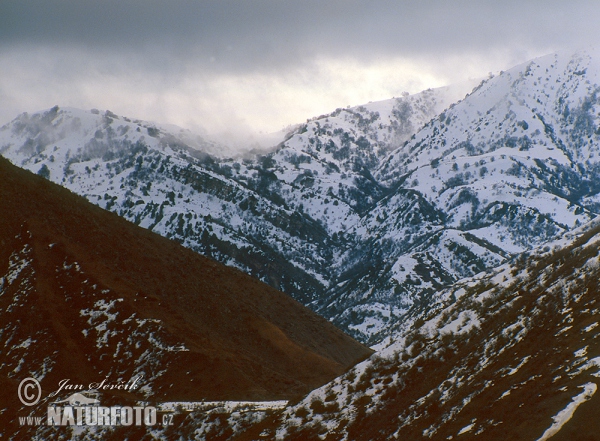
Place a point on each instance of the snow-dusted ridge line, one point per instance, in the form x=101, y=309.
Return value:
x=381, y=204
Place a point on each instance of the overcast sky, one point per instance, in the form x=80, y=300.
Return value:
x=260, y=65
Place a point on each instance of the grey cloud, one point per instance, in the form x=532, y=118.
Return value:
x=229, y=35
x=188, y=58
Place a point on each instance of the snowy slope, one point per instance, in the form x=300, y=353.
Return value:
x=275, y=216
x=508, y=168
x=156, y=181
x=361, y=213
x=511, y=354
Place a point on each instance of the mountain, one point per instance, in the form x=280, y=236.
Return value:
x=510, y=167
x=85, y=295
x=513, y=353
x=459, y=238
x=284, y=226
x=363, y=213
x=157, y=180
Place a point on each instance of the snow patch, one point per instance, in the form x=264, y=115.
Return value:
x=562, y=417
x=466, y=429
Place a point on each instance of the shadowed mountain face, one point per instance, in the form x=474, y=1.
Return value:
x=86, y=295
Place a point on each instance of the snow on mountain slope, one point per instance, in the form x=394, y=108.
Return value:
x=331, y=157
x=500, y=356
x=510, y=167
x=154, y=180
x=366, y=211
x=276, y=216
x=536, y=121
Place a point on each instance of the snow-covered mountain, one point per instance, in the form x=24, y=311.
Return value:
x=361, y=213
x=263, y=215
x=156, y=180
x=510, y=167
x=510, y=354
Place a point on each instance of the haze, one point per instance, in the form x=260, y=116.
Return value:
x=234, y=68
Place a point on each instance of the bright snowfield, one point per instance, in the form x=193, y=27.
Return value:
x=385, y=219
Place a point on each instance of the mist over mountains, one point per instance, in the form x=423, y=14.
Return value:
x=359, y=213
x=423, y=225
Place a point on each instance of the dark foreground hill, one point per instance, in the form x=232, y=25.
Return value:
x=86, y=295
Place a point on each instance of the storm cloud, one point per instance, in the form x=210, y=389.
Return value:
x=262, y=64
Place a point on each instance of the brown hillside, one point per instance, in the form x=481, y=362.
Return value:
x=99, y=297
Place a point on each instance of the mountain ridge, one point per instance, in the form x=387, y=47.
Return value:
x=358, y=213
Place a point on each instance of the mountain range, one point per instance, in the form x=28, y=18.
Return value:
x=359, y=213
x=444, y=229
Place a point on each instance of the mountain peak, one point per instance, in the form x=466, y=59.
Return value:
x=365, y=211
